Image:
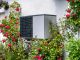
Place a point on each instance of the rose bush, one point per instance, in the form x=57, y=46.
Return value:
x=72, y=24
x=48, y=49
x=73, y=15
x=12, y=48
x=73, y=48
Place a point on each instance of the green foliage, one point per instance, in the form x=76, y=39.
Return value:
x=15, y=52
x=50, y=48
x=73, y=47
x=73, y=21
x=12, y=48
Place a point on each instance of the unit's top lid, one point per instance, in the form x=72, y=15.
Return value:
x=39, y=15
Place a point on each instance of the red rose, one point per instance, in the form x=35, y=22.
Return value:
x=17, y=9
x=7, y=27
x=68, y=10
x=17, y=22
x=68, y=0
x=59, y=58
x=3, y=41
x=5, y=17
x=13, y=38
x=9, y=45
x=38, y=57
x=1, y=31
x=6, y=34
x=67, y=15
x=2, y=25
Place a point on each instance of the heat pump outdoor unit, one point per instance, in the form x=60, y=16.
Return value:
x=36, y=25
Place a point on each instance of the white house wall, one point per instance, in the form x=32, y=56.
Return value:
x=61, y=6
x=54, y=7
x=33, y=7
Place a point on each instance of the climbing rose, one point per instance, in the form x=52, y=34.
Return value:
x=68, y=10
x=59, y=58
x=68, y=0
x=38, y=57
x=1, y=31
x=2, y=25
x=17, y=9
x=13, y=38
x=3, y=40
x=9, y=45
x=5, y=17
x=6, y=34
x=67, y=15
x=7, y=27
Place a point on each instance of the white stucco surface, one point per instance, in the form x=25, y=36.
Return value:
x=31, y=7
x=61, y=6
x=54, y=7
